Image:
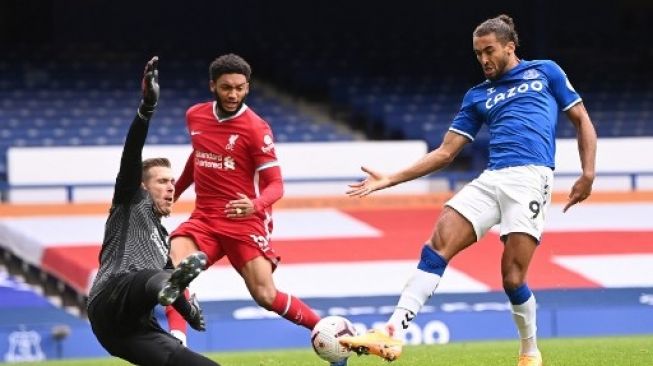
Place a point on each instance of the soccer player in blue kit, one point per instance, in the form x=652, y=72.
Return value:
x=519, y=101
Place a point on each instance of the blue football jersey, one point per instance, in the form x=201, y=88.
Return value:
x=521, y=111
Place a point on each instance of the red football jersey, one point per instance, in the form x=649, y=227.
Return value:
x=228, y=154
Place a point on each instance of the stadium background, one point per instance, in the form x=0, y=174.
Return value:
x=339, y=73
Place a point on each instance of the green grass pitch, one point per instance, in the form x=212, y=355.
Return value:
x=613, y=351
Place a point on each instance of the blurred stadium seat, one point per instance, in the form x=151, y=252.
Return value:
x=92, y=104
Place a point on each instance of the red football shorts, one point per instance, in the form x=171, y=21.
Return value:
x=239, y=248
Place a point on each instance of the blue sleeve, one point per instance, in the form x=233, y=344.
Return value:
x=467, y=122
x=563, y=92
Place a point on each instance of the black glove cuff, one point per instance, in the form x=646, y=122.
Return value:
x=145, y=111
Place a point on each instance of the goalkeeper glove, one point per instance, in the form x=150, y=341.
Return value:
x=150, y=89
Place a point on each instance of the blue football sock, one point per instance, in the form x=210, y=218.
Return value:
x=431, y=262
x=519, y=295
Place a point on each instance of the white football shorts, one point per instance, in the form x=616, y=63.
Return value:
x=515, y=197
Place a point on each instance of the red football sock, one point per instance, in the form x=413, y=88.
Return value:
x=175, y=320
x=294, y=310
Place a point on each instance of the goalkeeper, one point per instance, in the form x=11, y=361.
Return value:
x=132, y=277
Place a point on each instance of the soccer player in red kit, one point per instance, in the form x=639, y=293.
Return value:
x=237, y=179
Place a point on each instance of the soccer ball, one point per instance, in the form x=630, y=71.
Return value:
x=324, y=338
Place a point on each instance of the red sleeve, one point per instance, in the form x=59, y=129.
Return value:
x=271, y=189
x=262, y=144
x=186, y=178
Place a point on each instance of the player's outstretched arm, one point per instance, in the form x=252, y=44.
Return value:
x=586, y=136
x=130, y=174
x=429, y=163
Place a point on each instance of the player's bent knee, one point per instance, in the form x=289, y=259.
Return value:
x=265, y=300
x=156, y=283
x=513, y=281
x=264, y=296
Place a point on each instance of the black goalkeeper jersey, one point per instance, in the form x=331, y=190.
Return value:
x=134, y=238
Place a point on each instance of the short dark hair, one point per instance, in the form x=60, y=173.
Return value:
x=229, y=64
x=151, y=163
x=502, y=26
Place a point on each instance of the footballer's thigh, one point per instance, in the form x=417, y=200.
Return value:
x=467, y=216
x=452, y=233
x=191, y=236
x=142, y=295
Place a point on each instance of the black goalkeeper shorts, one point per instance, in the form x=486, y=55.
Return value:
x=122, y=319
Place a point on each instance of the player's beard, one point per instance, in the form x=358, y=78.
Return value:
x=160, y=211
x=501, y=66
x=222, y=113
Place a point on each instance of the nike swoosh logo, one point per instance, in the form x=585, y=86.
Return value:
x=193, y=133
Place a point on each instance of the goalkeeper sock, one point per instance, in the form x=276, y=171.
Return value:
x=524, y=309
x=294, y=310
x=419, y=288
